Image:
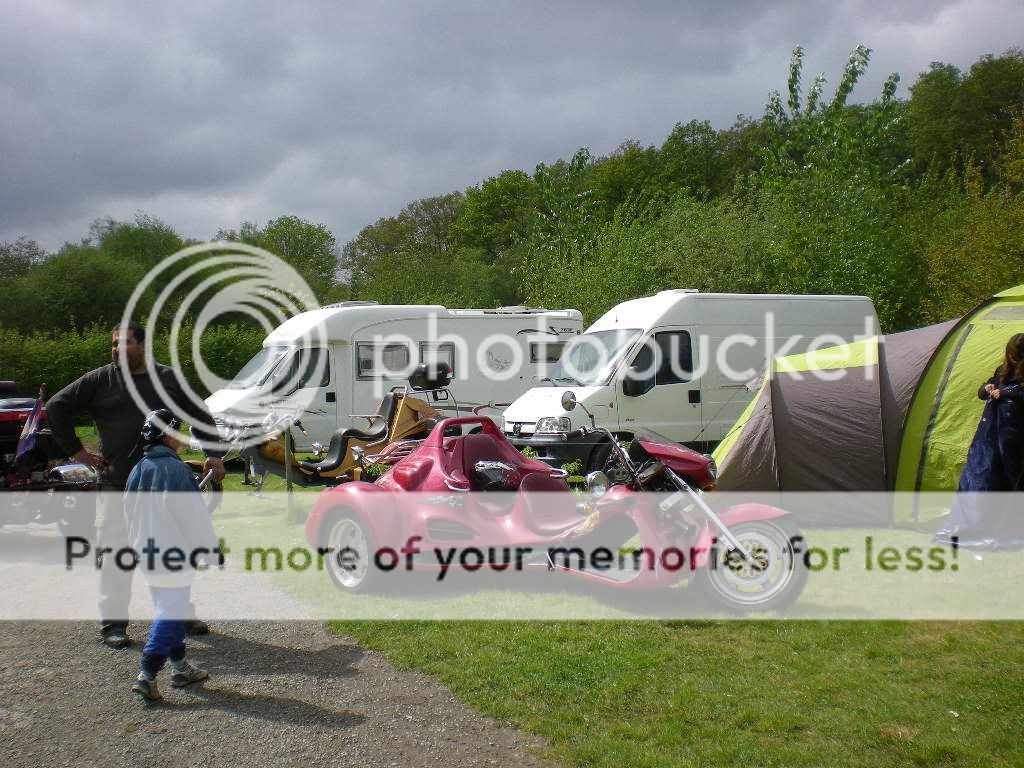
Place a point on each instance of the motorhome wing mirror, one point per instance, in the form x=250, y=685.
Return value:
x=635, y=384
x=568, y=400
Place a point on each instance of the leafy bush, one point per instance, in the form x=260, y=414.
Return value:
x=57, y=359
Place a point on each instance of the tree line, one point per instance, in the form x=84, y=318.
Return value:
x=916, y=202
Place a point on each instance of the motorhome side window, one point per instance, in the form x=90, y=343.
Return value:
x=437, y=353
x=315, y=365
x=546, y=351
x=388, y=360
x=304, y=368
x=676, y=365
x=675, y=357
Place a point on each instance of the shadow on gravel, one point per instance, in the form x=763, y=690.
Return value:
x=235, y=657
x=241, y=656
x=262, y=707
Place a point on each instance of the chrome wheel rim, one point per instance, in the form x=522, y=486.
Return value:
x=772, y=570
x=348, y=535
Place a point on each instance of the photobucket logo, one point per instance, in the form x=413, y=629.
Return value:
x=644, y=357
x=223, y=281
x=471, y=354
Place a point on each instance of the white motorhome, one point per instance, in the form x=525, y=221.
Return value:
x=331, y=364
x=677, y=363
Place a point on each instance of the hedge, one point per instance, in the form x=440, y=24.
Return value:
x=57, y=359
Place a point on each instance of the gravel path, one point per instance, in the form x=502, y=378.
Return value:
x=280, y=693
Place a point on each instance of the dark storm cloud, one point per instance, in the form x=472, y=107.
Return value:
x=342, y=114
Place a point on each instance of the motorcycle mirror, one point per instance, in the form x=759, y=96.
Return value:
x=568, y=400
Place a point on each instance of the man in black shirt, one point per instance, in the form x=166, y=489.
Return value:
x=106, y=396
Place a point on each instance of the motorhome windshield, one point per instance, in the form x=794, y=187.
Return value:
x=591, y=359
x=258, y=370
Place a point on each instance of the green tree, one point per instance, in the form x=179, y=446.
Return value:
x=415, y=258
x=955, y=117
x=626, y=173
x=145, y=241
x=560, y=243
x=835, y=192
x=74, y=288
x=695, y=159
x=431, y=219
x=308, y=247
x=18, y=258
x=934, y=135
x=89, y=282
x=975, y=246
x=371, y=259
x=498, y=214
x=989, y=98
x=813, y=133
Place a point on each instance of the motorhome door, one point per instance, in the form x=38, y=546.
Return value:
x=664, y=397
x=305, y=384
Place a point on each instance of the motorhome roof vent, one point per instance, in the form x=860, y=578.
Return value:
x=351, y=304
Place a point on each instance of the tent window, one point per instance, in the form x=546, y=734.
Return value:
x=1004, y=314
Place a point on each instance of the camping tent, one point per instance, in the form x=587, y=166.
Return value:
x=890, y=413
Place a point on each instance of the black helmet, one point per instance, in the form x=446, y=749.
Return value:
x=159, y=423
x=495, y=476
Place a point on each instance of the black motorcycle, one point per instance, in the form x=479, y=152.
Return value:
x=38, y=483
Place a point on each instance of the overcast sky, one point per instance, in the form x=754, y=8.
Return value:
x=342, y=113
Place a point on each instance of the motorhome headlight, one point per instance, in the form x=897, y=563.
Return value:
x=712, y=466
x=597, y=483
x=553, y=425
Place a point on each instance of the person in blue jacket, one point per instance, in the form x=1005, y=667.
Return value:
x=171, y=533
x=995, y=461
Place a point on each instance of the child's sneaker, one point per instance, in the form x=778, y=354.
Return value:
x=147, y=689
x=186, y=674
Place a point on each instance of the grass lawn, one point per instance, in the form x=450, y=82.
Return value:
x=710, y=693
x=692, y=693
x=793, y=693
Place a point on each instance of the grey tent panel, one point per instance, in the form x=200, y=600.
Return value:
x=751, y=465
x=828, y=432
x=903, y=358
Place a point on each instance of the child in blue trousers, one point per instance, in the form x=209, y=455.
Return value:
x=164, y=512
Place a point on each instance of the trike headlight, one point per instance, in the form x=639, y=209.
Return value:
x=597, y=483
